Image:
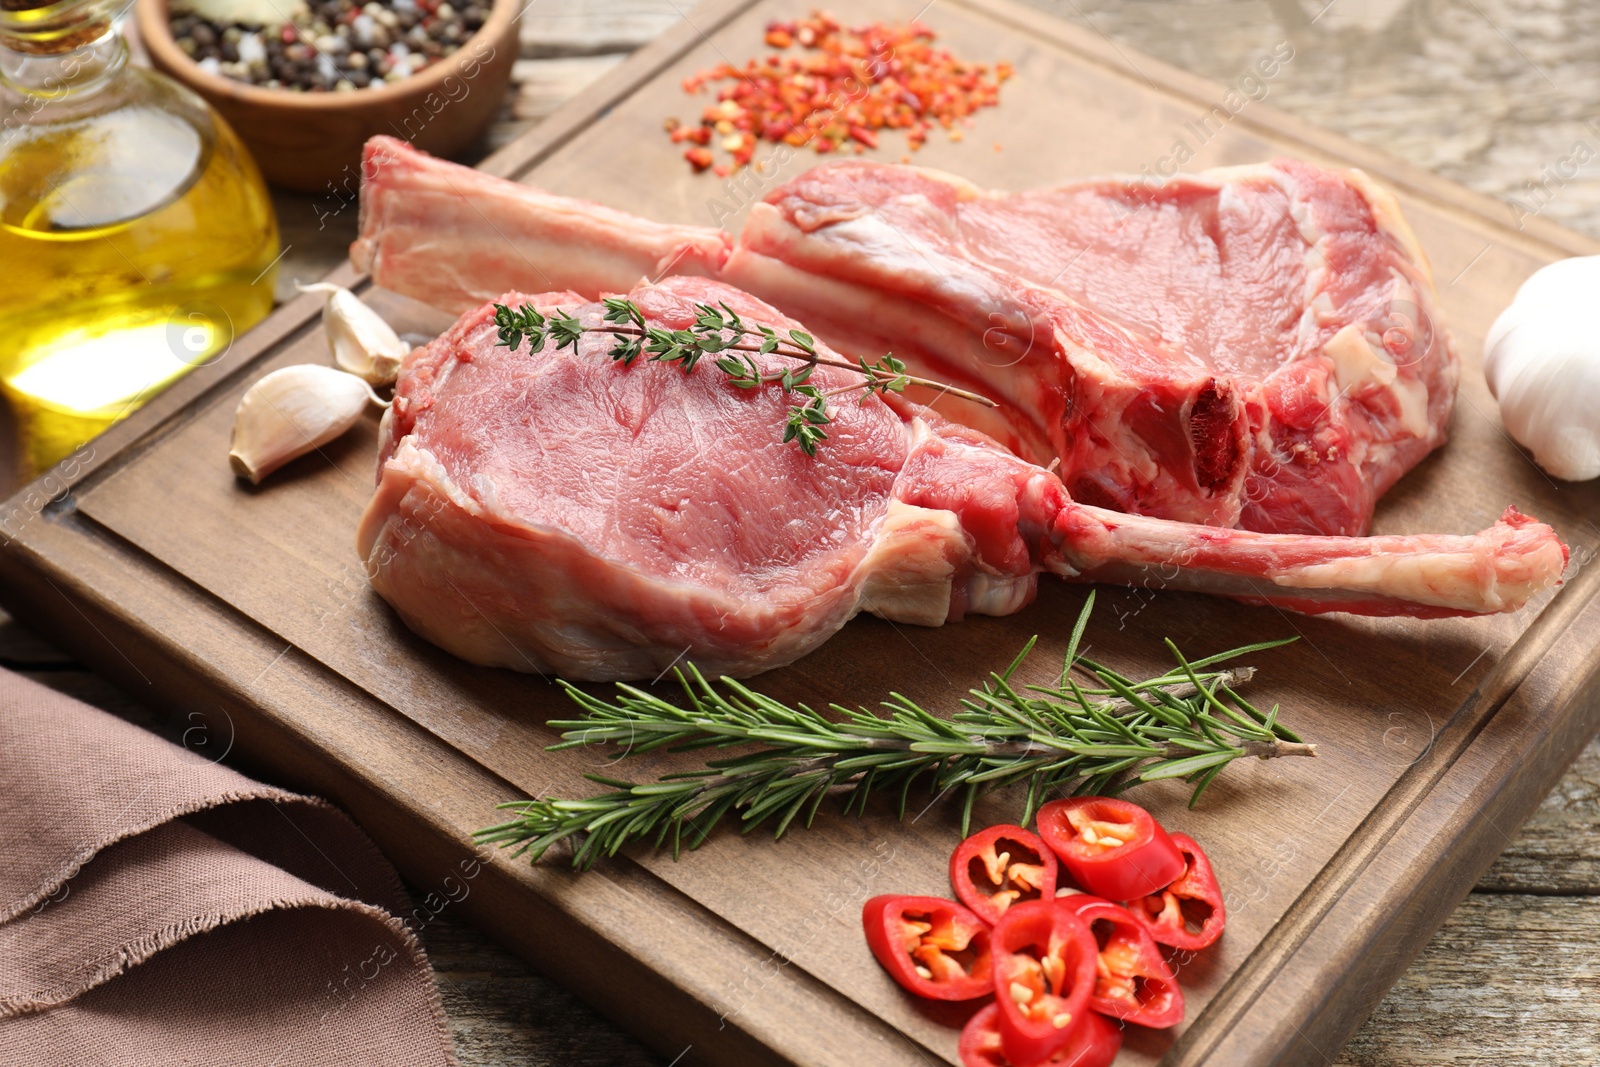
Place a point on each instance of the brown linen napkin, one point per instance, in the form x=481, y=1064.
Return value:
x=157, y=908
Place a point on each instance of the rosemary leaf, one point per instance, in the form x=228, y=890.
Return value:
x=1188, y=723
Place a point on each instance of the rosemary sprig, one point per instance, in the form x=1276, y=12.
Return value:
x=1098, y=736
x=720, y=333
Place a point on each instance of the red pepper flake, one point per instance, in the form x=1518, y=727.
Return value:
x=864, y=135
x=700, y=135
x=846, y=84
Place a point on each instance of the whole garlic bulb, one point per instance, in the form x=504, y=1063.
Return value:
x=292, y=411
x=362, y=342
x=1542, y=359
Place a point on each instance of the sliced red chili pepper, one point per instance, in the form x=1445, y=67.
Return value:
x=1094, y=1043
x=1044, y=968
x=1111, y=847
x=935, y=948
x=1133, y=982
x=1001, y=866
x=1188, y=913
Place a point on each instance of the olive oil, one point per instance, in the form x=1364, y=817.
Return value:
x=136, y=241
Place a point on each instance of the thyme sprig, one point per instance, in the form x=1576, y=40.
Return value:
x=720, y=333
x=1097, y=736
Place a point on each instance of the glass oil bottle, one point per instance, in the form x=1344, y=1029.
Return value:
x=136, y=236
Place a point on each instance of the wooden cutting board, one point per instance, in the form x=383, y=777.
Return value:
x=248, y=610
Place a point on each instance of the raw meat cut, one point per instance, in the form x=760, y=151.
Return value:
x=560, y=511
x=1250, y=347
x=1254, y=346
x=438, y=236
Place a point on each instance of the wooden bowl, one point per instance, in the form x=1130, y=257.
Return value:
x=311, y=142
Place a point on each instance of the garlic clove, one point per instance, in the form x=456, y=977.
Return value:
x=250, y=12
x=362, y=342
x=1542, y=362
x=292, y=411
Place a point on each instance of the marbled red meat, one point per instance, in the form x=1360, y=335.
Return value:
x=1254, y=347
x=1251, y=347
x=560, y=511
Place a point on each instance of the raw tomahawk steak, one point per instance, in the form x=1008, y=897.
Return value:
x=1255, y=347
x=559, y=511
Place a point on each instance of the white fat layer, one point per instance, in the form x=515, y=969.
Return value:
x=1386, y=214
x=953, y=283
x=989, y=594
x=1431, y=578
x=423, y=466
x=911, y=568
x=1358, y=364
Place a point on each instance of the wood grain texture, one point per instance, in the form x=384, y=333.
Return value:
x=1407, y=887
x=1447, y=229
x=1558, y=848
x=595, y=27
x=1509, y=978
x=1494, y=94
x=503, y=1012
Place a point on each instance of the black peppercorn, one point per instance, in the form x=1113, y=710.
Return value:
x=365, y=44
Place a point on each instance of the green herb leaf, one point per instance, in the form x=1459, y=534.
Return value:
x=1062, y=738
x=717, y=331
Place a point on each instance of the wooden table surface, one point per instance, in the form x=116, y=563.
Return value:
x=1495, y=94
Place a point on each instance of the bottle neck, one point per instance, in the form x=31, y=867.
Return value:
x=86, y=69
x=67, y=48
